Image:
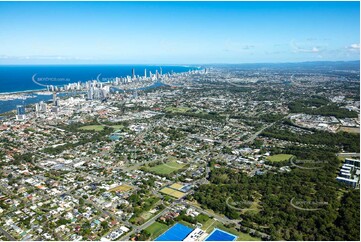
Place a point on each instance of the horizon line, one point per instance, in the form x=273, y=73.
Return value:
x=179, y=64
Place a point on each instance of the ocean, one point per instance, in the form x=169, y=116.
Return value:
x=18, y=78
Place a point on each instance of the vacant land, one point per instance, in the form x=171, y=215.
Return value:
x=350, y=129
x=156, y=229
x=167, y=168
x=99, y=127
x=279, y=157
x=172, y=192
x=121, y=188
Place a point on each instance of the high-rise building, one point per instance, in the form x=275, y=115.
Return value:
x=57, y=102
x=145, y=73
x=90, y=93
x=133, y=73
x=42, y=107
x=54, y=98
x=161, y=71
x=20, y=112
x=37, y=107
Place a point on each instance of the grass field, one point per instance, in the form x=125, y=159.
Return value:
x=207, y=224
x=177, y=109
x=99, y=127
x=172, y=192
x=212, y=224
x=167, y=168
x=121, y=188
x=156, y=229
x=92, y=127
x=350, y=129
x=279, y=157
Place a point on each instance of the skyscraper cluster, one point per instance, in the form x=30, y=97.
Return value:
x=96, y=91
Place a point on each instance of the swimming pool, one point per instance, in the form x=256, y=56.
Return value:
x=177, y=232
x=220, y=235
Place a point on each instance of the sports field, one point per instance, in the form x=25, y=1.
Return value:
x=121, y=188
x=172, y=192
x=279, y=157
x=156, y=229
x=99, y=127
x=177, y=232
x=166, y=168
x=176, y=186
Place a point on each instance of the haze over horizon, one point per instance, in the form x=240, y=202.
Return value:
x=178, y=32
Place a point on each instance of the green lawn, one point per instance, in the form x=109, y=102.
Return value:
x=186, y=223
x=202, y=218
x=166, y=168
x=116, y=127
x=156, y=229
x=279, y=157
x=99, y=127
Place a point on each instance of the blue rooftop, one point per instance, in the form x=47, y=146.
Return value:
x=176, y=233
x=220, y=235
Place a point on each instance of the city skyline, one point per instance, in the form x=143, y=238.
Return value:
x=178, y=32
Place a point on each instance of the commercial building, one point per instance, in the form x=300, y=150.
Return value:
x=350, y=173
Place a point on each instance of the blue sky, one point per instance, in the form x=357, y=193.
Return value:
x=178, y=32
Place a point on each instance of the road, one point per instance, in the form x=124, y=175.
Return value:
x=7, y=235
x=348, y=154
x=254, y=136
x=224, y=219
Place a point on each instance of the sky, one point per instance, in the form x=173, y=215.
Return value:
x=178, y=32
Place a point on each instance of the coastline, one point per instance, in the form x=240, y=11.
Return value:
x=111, y=70
x=23, y=92
x=9, y=99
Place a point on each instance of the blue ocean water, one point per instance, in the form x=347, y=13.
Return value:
x=18, y=78
x=220, y=235
x=176, y=233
